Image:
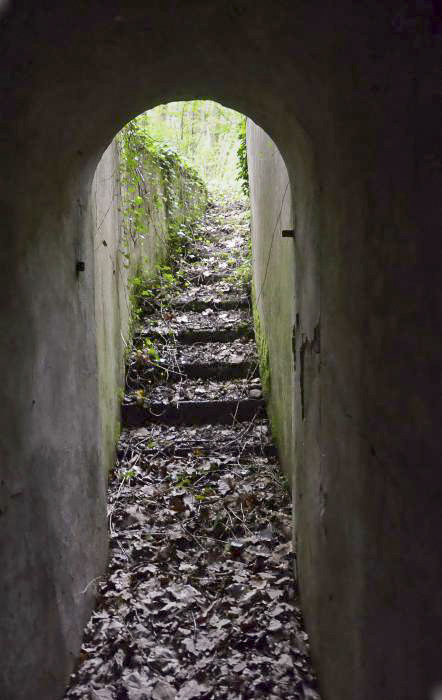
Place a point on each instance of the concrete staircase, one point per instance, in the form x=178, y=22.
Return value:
x=207, y=358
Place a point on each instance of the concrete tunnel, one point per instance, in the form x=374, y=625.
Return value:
x=350, y=93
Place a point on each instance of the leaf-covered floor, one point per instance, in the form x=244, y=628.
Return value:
x=200, y=599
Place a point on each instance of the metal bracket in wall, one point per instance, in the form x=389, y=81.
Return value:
x=288, y=233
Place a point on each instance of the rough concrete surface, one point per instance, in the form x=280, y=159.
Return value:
x=274, y=280
x=350, y=93
x=112, y=304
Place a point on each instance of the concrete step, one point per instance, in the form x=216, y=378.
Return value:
x=200, y=449
x=203, y=390
x=203, y=277
x=209, y=439
x=192, y=412
x=227, y=303
x=188, y=336
x=219, y=371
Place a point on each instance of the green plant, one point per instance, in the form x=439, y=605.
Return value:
x=138, y=152
x=242, y=167
x=262, y=347
x=243, y=273
x=127, y=474
x=150, y=349
x=205, y=134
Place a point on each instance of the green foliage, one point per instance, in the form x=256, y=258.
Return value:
x=132, y=145
x=205, y=134
x=127, y=474
x=150, y=349
x=144, y=159
x=157, y=290
x=136, y=286
x=139, y=151
x=243, y=272
x=242, y=168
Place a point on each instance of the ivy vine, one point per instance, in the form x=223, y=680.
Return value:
x=242, y=168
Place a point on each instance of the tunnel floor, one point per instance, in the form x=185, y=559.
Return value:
x=199, y=599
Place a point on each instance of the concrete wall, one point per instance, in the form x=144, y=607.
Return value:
x=173, y=196
x=112, y=303
x=350, y=93
x=273, y=262
x=364, y=494
x=53, y=530
x=170, y=197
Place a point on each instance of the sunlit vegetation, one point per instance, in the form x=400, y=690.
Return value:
x=207, y=135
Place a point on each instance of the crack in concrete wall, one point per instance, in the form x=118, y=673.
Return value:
x=309, y=366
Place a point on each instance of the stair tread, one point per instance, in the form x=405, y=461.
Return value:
x=217, y=360
x=175, y=322
x=194, y=302
x=205, y=390
x=212, y=438
x=223, y=411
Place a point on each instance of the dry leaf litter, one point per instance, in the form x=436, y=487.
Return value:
x=199, y=600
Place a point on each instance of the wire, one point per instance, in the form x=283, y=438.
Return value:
x=271, y=243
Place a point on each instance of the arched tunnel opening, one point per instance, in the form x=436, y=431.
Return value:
x=350, y=95
x=199, y=595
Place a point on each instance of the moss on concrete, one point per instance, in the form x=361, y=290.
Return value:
x=265, y=372
x=262, y=347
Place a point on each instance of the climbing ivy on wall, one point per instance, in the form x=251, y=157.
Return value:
x=140, y=153
x=132, y=181
x=137, y=147
x=242, y=168
x=161, y=196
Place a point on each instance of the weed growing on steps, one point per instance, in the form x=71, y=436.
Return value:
x=263, y=348
x=149, y=295
x=243, y=273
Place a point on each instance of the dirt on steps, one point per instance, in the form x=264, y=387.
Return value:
x=200, y=598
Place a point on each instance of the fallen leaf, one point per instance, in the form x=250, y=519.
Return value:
x=163, y=691
x=236, y=359
x=185, y=593
x=192, y=689
x=255, y=393
x=275, y=625
x=177, y=503
x=102, y=694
